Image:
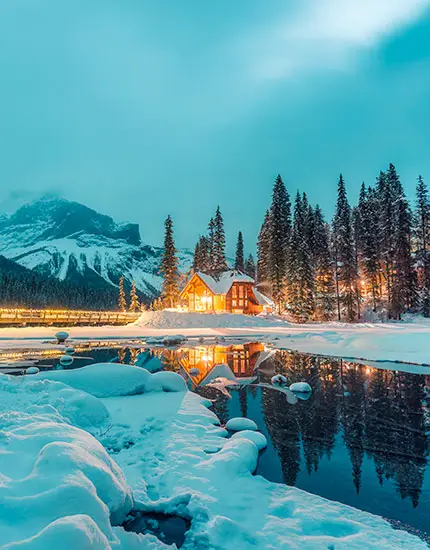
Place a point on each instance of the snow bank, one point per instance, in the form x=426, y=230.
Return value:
x=256, y=437
x=183, y=320
x=59, y=487
x=240, y=423
x=115, y=379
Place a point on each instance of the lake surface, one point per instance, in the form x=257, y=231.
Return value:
x=361, y=438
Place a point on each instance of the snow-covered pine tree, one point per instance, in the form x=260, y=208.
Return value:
x=369, y=244
x=239, y=263
x=403, y=291
x=386, y=229
x=346, y=274
x=263, y=254
x=169, y=267
x=134, y=299
x=211, y=246
x=250, y=268
x=197, y=257
x=300, y=273
x=219, y=259
x=279, y=236
x=422, y=243
x=122, y=304
x=323, y=263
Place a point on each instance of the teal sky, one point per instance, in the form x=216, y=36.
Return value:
x=140, y=109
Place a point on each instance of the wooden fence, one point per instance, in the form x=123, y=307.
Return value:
x=23, y=317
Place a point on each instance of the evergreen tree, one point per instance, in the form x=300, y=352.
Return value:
x=300, y=270
x=211, y=246
x=134, y=299
x=403, y=277
x=239, y=263
x=422, y=242
x=368, y=243
x=323, y=263
x=122, y=304
x=169, y=266
x=250, y=267
x=279, y=235
x=263, y=254
x=345, y=269
x=385, y=190
x=218, y=258
x=197, y=257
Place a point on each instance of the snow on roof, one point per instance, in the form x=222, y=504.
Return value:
x=261, y=298
x=225, y=281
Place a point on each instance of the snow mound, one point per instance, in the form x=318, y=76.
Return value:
x=64, y=487
x=183, y=320
x=256, y=437
x=239, y=423
x=115, y=379
x=33, y=394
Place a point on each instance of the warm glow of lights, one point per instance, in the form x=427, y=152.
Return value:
x=363, y=282
x=368, y=370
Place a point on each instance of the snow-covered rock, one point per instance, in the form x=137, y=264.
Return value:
x=256, y=437
x=31, y=370
x=240, y=423
x=66, y=360
x=300, y=387
x=61, y=336
x=279, y=380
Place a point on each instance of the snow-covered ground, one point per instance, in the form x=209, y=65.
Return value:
x=79, y=450
x=409, y=341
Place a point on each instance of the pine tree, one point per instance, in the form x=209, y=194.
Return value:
x=169, y=266
x=345, y=271
x=250, y=268
x=263, y=254
x=403, y=278
x=279, y=236
x=239, y=263
x=219, y=259
x=324, y=279
x=369, y=243
x=134, y=299
x=197, y=257
x=122, y=304
x=386, y=229
x=211, y=246
x=300, y=270
x=422, y=243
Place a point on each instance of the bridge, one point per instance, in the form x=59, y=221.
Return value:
x=68, y=317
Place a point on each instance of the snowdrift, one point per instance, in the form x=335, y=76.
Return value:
x=182, y=320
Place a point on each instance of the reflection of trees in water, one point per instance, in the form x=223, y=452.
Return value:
x=282, y=425
x=380, y=412
x=121, y=355
x=395, y=430
x=353, y=418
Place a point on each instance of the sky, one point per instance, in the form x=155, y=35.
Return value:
x=142, y=108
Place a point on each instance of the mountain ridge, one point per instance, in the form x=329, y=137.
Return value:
x=72, y=242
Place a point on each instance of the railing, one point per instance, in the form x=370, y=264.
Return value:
x=70, y=317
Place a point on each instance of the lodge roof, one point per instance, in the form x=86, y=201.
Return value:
x=224, y=282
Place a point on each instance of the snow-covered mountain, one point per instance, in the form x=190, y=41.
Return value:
x=73, y=242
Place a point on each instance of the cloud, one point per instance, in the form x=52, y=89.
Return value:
x=329, y=34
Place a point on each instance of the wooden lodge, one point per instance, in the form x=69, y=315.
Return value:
x=232, y=292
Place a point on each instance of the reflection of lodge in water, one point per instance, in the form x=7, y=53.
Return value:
x=241, y=358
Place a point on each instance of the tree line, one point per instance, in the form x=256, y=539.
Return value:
x=373, y=257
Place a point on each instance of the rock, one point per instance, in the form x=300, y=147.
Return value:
x=279, y=380
x=66, y=360
x=61, y=337
x=239, y=423
x=300, y=387
x=31, y=370
x=256, y=437
x=70, y=351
